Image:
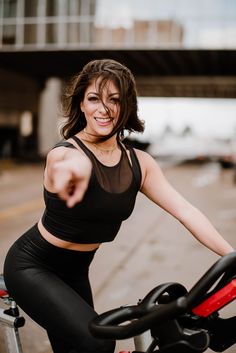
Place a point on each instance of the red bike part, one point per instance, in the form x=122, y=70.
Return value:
x=3, y=293
x=217, y=301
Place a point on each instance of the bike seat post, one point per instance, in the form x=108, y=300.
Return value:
x=10, y=321
x=12, y=340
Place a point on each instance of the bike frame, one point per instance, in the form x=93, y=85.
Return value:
x=11, y=321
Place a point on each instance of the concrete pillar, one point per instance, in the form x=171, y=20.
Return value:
x=49, y=115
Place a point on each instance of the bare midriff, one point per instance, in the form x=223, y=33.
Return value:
x=52, y=239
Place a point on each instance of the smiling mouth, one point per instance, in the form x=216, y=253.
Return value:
x=103, y=120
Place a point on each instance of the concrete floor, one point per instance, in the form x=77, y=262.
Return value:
x=151, y=247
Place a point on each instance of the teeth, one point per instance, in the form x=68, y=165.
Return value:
x=103, y=119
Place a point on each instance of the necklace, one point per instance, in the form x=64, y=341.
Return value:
x=96, y=145
x=107, y=156
x=111, y=149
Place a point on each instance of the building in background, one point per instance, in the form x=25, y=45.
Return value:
x=38, y=24
x=35, y=25
x=142, y=33
x=55, y=24
x=29, y=105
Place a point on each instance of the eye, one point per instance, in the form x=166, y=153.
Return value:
x=93, y=98
x=115, y=100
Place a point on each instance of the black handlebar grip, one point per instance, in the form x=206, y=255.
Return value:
x=173, y=289
x=106, y=325
x=225, y=263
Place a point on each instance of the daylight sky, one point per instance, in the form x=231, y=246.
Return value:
x=206, y=22
x=152, y=9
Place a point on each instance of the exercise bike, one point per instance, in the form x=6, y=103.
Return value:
x=168, y=320
x=171, y=319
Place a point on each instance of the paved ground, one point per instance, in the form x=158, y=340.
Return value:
x=151, y=247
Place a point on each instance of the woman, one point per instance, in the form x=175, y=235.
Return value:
x=90, y=185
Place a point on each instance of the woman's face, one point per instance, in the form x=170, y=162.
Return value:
x=100, y=120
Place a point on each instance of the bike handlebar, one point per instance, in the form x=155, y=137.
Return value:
x=226, y=266
x=106, y=325
x=147, y=313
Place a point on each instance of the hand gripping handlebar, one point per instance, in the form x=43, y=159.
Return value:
x=147, y=313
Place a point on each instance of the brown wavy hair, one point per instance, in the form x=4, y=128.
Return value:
x=105, y=70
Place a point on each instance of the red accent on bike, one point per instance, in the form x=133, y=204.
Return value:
x=3, y=293
x=124, y=352
x=217, y=300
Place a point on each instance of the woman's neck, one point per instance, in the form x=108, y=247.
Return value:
x=106, y=145
x=107, y=152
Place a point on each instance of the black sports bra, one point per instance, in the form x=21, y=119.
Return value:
x=109, y=199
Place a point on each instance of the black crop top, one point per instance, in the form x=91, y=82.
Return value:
x=98, y=217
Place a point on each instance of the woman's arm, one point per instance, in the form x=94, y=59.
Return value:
x=67, y=173
x=156, y=187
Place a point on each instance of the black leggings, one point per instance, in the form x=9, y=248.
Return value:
x=51, y=285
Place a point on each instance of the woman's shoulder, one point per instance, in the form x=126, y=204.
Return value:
x=63, y=147
x=142, y=155
x=146, y=160
x=58, y=150
x=64, y=143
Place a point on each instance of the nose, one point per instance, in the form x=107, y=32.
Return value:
x=102, y=109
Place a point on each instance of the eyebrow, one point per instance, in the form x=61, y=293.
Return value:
x=97, y=94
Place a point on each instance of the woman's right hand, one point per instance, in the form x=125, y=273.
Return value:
x=67, y=174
